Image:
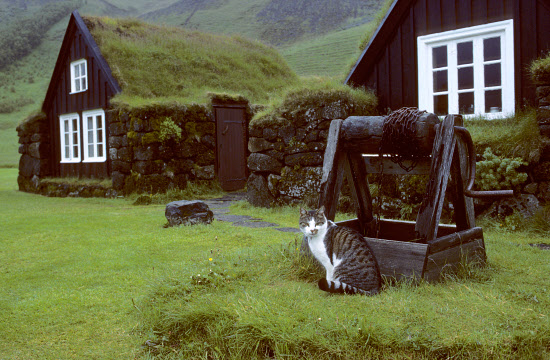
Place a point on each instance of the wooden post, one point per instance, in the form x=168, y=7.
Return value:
x=333, y=170
x=357, y=179
x=460, y=172
x=429, y=214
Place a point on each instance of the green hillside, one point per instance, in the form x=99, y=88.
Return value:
x=316, y=37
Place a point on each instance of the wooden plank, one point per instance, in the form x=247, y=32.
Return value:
x=333, y=171
x=429, y=214
x=359, y=186
x=372, y=163
x=409, y=57
x=464, y=14
x=398, y=259
x=448, y=10
x=448, y=260
x=396, y=79
x=399, y=230
x=454, y=239
x=434, y=16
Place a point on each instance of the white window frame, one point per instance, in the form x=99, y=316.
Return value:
x=98, y=139
x=79, y=78
x=71, y=139
x=504, y=29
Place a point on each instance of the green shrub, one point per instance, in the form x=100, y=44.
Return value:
x=495, y=173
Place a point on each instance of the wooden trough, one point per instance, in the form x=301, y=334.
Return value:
x=408, y=249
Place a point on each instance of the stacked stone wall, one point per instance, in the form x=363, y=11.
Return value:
x=35, y=150
x=155, y=148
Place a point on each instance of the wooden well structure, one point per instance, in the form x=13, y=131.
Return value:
x=419, y=249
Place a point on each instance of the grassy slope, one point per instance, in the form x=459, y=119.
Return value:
x=71, y=267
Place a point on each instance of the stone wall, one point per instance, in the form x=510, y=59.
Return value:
x=285, y=162
x=156, y=148
x=34, y=149
x=540, y=175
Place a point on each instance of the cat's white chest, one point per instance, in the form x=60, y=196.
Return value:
x=317, y=247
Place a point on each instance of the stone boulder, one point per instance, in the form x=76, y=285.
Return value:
x=258, y=193
x=185, y=212
x=524, y=204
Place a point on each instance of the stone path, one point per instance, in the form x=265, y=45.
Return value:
x=220, y=208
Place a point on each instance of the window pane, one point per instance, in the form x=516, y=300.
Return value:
x=83, y=69
x=84, y=87
x=91, y=150
x=465, y=53
x=441, y=104
x=75, y=138
x=100, y=136
x=75, y=151
x=491, y=49
x=67, y=139
x=75, y=124
x=492, y=75
x=67, y=152
x=76, y=71
x=99, y=151
x=466, y=103
x=440, y=81
x=493, y=101
x=98, y=122
x=77, y=85
x=90, y=121
x=90, y=136
x=66, y=126
x=466, y=78
x=439, y=56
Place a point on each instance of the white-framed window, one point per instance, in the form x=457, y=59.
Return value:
x=69, y=126
x=79, y=76
x=93, y=129
x=469, y=71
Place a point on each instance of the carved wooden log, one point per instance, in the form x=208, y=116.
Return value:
x=333, y=170
x=362, y=134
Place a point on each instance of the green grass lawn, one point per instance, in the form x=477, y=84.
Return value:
x=95, y=278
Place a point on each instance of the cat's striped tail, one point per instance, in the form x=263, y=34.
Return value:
x=337, y=287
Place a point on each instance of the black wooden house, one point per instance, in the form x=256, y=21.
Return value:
x=455, y=56
x=77, y=97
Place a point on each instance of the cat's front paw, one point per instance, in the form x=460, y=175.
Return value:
x=323, y=284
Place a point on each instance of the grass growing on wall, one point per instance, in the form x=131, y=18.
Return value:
x=151, y=61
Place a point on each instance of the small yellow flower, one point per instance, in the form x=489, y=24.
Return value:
x=209, y=259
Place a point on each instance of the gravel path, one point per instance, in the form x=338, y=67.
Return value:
x=220, y=208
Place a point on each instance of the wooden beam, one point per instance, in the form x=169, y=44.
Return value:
x=333, y=171
x=429, y=214
x=372, y=162
x=357, y=179
x=398, y=259
x=362, y=134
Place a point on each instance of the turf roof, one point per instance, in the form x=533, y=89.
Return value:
x=161, y=63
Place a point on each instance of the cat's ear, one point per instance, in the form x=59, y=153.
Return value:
x=321, y=209
x=303, y=211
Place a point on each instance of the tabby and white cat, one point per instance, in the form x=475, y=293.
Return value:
x=345, y=254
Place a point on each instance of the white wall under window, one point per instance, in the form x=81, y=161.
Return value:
x=79, y=76
x=468, y=71
x=93, y=129
x=69, y=126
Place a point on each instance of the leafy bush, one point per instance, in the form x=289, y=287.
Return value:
x=495, y=173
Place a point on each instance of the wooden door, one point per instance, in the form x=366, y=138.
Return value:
x=231, y=146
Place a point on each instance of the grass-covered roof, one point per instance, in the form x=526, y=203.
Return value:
x=162, y=63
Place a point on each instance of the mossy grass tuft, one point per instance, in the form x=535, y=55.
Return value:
x=540, y=70
x=315, y=93
x=514, y=136
x=170, y=63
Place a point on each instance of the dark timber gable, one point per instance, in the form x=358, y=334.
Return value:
x=389, y=63
x=78, y=43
